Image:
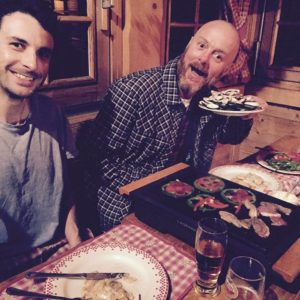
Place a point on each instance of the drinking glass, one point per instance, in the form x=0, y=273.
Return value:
x=210, y=244
x=245, y=279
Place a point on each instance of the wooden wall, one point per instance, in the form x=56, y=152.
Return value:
x=138, y=33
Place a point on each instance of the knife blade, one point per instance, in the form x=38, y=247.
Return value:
x=87, y=276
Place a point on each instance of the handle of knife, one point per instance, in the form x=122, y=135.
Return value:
x=18, y=292
x=33, y=275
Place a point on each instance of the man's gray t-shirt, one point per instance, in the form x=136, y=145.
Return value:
x=32, y=177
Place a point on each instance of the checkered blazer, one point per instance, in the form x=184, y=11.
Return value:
x=136, y=132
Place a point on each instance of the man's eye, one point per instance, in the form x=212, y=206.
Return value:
x=17, y=45
x=45, y=53
x=218, y=57
x=201, y=45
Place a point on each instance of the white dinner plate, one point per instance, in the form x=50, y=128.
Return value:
x=234, y=113
x=230, y=172
x=261, y=159
x=151, y=279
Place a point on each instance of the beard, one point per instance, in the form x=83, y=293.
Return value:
x=186, y=89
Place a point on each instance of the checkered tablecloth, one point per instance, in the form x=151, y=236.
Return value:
x=181, y=268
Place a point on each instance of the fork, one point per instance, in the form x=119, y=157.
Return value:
x=18, y=292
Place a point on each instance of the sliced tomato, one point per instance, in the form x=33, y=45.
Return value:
x=209, y=184
x=178, y=188
x=280, y=156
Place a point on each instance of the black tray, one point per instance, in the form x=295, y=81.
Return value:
x=174, y=216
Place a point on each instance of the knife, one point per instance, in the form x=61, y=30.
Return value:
x=87, y=276
x=23, y=293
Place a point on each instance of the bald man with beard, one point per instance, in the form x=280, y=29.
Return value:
x=150, y=120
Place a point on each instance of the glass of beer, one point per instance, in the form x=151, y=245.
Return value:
x=210, y=243
x=245, y=279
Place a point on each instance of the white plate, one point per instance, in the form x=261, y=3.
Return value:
x=260, y=158
x=232, y=113
x=229, y=172
x=237, y=113
x=151, y=279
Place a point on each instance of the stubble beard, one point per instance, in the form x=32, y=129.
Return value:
x=16, y=97
x=187, y=90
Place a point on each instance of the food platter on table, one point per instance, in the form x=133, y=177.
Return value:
x=147, y=276
x=249, y=176
x=281, y=162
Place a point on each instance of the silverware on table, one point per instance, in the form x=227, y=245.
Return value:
x=23, y=293
x=87, y=276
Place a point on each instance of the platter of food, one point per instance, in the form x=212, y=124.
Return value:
x=281, y=162
x=145, y=275
x=249, y=176
x=232, y=103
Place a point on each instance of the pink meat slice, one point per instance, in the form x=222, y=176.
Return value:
x=278, y=221
x=260, y=227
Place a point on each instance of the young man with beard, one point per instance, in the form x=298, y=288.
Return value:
x=36, y=211
x=150, y=120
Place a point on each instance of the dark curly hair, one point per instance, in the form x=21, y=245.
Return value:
x=41, y=10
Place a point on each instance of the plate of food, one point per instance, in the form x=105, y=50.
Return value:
x=232, y=103
x=281, y=162
x=145, y=275
x=248, y=176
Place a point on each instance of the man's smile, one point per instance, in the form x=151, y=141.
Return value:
x=24, y=76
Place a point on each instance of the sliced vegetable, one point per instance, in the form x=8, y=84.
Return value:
x=238, y=196
x=177, y=188
x=209, y=184
x=284, y=161
x=205, y=202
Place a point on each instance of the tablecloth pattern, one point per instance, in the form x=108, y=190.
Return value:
x=181, y=268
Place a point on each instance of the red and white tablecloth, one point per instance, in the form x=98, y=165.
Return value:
x=180, y=267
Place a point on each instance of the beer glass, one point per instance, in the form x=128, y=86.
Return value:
x=245, y=279
x=210, y=244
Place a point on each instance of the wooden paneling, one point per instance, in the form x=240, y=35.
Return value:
x=138, y=31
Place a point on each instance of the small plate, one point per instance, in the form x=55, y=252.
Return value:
x=261, y=159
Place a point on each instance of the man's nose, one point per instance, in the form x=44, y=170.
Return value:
x=204, y=57
x=30, y=60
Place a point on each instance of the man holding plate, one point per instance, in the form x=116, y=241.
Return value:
x=151, y=119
